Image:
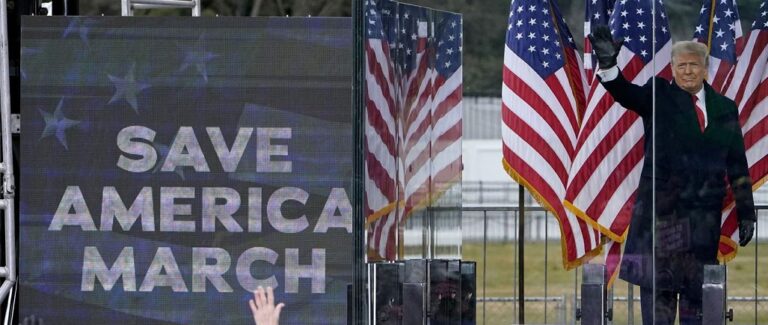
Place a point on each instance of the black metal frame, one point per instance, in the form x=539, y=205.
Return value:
x=359, y=291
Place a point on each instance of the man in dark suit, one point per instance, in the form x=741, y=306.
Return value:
x=696, y=138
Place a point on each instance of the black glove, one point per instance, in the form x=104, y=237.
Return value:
x=746, y=229
x=606, y=50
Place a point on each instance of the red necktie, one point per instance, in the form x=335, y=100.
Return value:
x=699, y=113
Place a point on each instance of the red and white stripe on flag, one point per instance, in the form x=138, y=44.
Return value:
x=606, y=168
x=750, y=93
x=542, y=96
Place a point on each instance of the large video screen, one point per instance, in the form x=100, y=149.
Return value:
x=171, y=166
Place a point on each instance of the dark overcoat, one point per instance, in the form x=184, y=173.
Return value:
x=691, y=170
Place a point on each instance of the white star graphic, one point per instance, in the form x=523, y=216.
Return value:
x=127, y=88
x=56, y=124
x=197, y=56
x=81, y=26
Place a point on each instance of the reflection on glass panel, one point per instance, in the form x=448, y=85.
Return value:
x=381, y=140
x=416, y=67
x=446, y=132
x=414, y=85
x=626, y=68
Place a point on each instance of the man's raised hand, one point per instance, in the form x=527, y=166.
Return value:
x=605, y=48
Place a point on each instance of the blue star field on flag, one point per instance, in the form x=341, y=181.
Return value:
x=412, y=36
x=449, y=45
x=536, y=38
x=632, y=23
x=762, y=18
x=598, y=12
x=725, y=21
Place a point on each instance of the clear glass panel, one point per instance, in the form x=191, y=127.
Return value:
x=706, y=160
x=446, y=44
x=414, y=133
x=416, y=65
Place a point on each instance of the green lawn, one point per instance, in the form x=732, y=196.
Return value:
x=500, y=273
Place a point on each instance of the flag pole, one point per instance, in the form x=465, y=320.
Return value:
x=711, y=17
x=521, y=253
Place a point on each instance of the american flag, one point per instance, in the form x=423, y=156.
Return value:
x=606, y=167
x=380, y=130
x=720, y=29
x=414, y=115
x=596, y=12
x=447, y=103
x=542, y=97
x=751, y=95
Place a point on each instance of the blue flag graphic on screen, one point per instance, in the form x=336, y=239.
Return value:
x=171, y=171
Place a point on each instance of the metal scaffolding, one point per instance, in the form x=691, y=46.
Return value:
x=6, y=166
x=128, y=6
